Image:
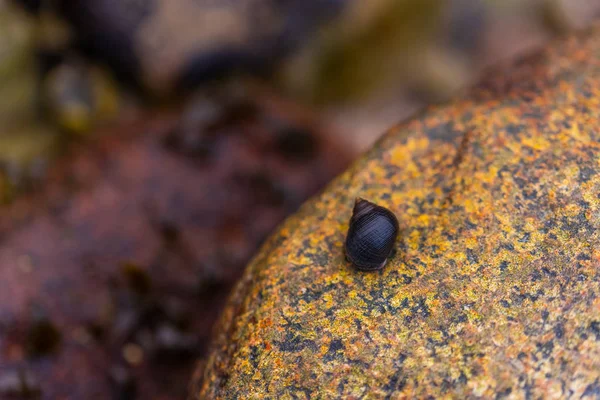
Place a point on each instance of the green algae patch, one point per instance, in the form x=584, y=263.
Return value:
x=494, y=289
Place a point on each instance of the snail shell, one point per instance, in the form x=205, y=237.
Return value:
x=371, y=235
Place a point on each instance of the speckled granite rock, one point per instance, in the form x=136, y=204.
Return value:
x=495, y=286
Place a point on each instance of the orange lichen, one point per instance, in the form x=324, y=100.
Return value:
x=495, y=287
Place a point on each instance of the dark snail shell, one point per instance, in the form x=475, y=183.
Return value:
x=371, y=235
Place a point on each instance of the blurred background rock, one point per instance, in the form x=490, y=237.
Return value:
x=360, y=65
x=147, y=147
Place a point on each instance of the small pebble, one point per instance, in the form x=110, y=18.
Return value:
x=133, y=354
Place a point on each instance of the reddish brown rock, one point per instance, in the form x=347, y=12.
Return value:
x=113, y=271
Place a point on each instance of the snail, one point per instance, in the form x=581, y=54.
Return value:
x=371, y=235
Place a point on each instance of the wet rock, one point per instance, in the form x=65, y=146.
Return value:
x=494, y=289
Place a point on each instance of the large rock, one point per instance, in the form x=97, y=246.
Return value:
x=494, y=289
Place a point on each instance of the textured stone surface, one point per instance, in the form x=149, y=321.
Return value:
x=494, y=289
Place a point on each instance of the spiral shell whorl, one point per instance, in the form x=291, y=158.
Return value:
x=371, y=235
x=361, y=207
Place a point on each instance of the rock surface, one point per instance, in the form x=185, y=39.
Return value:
x=494, y=289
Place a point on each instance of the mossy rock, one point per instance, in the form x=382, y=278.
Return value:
x=494, y=289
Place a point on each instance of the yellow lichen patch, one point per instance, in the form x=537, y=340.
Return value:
x=494, y=286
